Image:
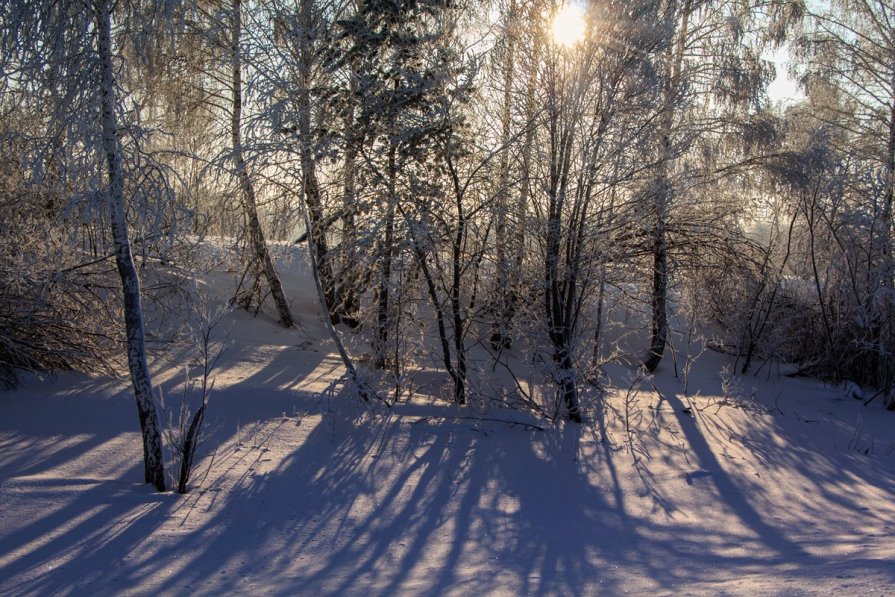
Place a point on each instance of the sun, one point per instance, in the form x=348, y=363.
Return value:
x=568, y=26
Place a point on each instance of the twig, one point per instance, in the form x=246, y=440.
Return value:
x=527, y=426
x=872, y=398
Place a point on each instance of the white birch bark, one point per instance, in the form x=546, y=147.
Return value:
x=130, y=281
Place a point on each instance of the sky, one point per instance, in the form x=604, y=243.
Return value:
x=784, y=88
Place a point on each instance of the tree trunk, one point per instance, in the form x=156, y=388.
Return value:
x=598, y=329
x=311, y=194
x=558, y=277
x=500, y=338
x=154, y=471
x=313, y=202
x=664, y=191
x=456, y=280
x=348, y=303
x=568, y=385
x=383, y=318
x=659, y=325
x=250, y=204
x=317, y=231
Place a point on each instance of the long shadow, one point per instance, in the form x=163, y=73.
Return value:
x=336, y=501
x=74, y=479
x=112, y=520
x=390, y=505
x=816, y=504
x=448, y=508
x=830, y=473
x=32, y=444
x=729, y=494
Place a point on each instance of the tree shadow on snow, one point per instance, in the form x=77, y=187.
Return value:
x=438, y=505
x=415, y=501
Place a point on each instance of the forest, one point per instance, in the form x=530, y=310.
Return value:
x=523, y=214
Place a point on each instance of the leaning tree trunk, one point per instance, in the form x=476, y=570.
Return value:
x=154, y=470
x=256, y=236
x=311, y=195
x=316, y=230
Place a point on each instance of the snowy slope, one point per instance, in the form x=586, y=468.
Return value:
x=766, y=487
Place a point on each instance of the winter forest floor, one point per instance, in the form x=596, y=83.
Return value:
x=775, y=486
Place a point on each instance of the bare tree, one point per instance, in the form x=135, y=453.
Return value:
x=848, y=51
x=260, y=252
x=130, y=281
x=38, y=38
x=600, y=101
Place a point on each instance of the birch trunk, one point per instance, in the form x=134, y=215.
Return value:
x=133, y=311
x=247, y=189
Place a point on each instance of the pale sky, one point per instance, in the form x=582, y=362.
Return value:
x=783, y=89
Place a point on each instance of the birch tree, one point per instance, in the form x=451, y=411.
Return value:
x=260, y=251
x=130, y=281
x=82, y=48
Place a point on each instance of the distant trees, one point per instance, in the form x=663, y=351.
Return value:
x=817, y=265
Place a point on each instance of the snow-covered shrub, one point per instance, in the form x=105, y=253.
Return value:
x=54, y=297
x=60, y=294
x=186, y=434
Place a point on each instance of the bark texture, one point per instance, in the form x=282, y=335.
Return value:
x=130, y=281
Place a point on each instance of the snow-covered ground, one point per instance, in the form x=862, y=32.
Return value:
x=759, y=487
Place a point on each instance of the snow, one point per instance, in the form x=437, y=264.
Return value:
x=778, y=487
